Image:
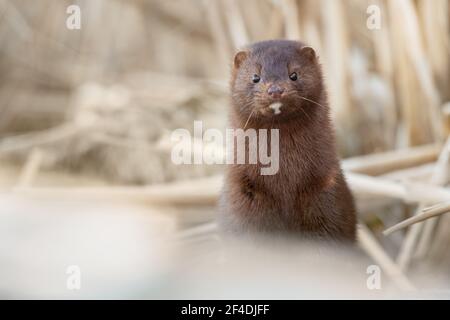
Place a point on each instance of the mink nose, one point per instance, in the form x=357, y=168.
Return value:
x=275, y=91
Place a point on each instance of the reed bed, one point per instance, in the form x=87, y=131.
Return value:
x=88, y=113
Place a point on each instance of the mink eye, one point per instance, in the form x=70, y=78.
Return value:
x=293, y=76
x=256, y=78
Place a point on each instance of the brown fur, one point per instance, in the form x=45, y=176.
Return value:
x=308, y=196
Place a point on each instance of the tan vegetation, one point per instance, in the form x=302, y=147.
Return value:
x=88, y=113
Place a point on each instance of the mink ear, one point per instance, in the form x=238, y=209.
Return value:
x=239, y=58
x=308, y=53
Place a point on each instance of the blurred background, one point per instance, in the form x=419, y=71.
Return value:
x=86, y=117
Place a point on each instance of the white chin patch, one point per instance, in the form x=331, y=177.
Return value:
x=276, y=107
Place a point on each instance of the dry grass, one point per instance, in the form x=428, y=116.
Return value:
x=88, y=113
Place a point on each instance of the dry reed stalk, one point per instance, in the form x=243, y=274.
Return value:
x=425, y=214
x=381, y=163
x=426, y=237
x=408, y=244
x=289, y=8
x=251, y=14
x=429, y=227
x=435, y=26
x=203, y=191
x=310, y=16
x=184, y=20
x=364, y=184
x=383, y=61
x=336, y=53
x=30, y=169
x=218, y=30
x=411, y=132
x=276, y=24
x=236, y=24
x=420, y=173
x=409, y=192
x=416, y=84
x=439, y=178
x=382, y=46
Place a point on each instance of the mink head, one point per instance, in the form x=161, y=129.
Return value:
x=276, y=80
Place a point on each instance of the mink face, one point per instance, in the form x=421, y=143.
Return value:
x=278, y=79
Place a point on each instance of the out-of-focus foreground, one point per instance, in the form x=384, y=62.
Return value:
x=86, y=118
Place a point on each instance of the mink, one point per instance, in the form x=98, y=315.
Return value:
x=308, y=196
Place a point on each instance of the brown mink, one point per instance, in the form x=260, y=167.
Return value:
x=308, y=196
